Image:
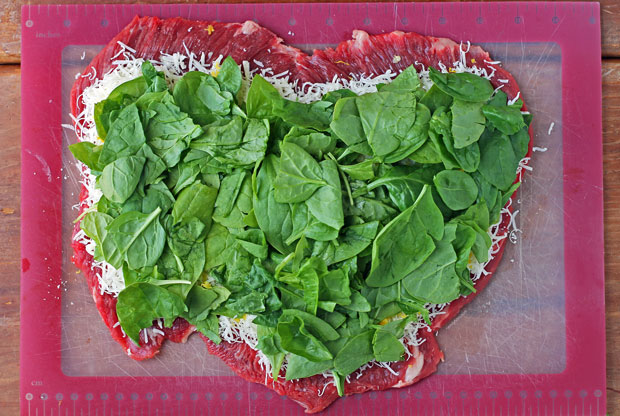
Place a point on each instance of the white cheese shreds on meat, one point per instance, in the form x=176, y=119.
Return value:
x=236, y=330
x=550, y=128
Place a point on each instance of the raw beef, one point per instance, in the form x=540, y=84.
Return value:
x=317, y=392
x=364, y=54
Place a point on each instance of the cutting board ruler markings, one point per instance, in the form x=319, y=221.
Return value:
x=164, y=404
x=405, y=11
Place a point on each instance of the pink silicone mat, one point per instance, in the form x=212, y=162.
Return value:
x=532, y=343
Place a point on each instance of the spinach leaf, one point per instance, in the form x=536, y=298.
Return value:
x=464, y=240
x=305, y=223
x=269, y=344
x=141, y=303
x=316, y=115
x=106, y=111
x=186, y=241
x=393, y=124
x=299, y=367
x=299, y=175
x=308, y=276
x=165, y=121
x=229, y=76
x=467, y=123
x=435, y=98
x=88, y=154
x=296, y=339
x=262, y=98
x=371, y=210
x=413, y=307
x=313, y=142
x=140, y=238
x=155, y=80
x=404, y=184
x=273, y=218
x=94, y=224
x=201, y=301
x=362, y=171
x=426, y=154
x=386, y=345
x=498, y=162
x=358, y=303
x=467, y=158
x=253, y=146
x=435, y=280
x=405, y=242
x=520, y=143
x=210, y=327
x=354, y=240
x=229, y=145
x=334, y=287
x=255, y=292
x=463, y=86
x=508, y=120
x=154, y=167
x=248, y=302
x=219, y=246
x=253, y=241
x=315, y=326
x=326, y=203
x=157, y=195
x=407, y=80
x=197, y=201
x=334, y=96
x=227, y=211
x=457, y=189
x=347, y=125
x=355, y=353
x=199, y=95
x=477, y=217
x=120, y=178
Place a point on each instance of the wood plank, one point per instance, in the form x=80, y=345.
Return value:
x=610, y=28
x=611, y=169
x=10, y=31
x=10, y=27
x=10, y=146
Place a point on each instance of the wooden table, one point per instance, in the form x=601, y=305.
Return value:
x=10, y=195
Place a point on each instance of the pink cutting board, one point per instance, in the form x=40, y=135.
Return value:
x=532, y=343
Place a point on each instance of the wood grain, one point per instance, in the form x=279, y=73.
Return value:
x=10, y=31
x=611, y=170
x=10, y=26
x=10, y=146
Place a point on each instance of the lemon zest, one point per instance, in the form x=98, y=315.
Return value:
x=216, y=70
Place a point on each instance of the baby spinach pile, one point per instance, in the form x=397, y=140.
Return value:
x=322, y=220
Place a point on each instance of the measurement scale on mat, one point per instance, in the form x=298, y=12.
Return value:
x=566, y=33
